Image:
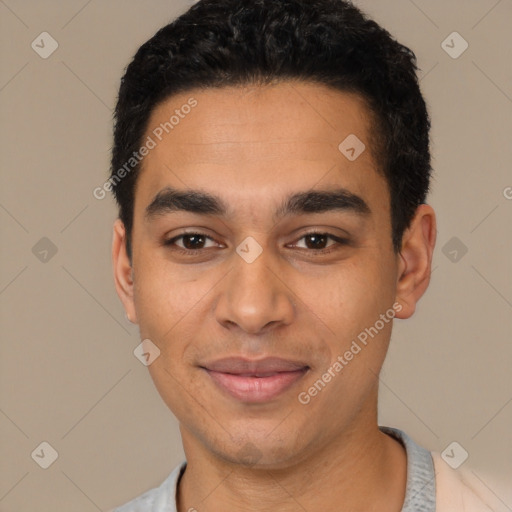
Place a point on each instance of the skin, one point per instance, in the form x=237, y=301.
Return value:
x=252, y=147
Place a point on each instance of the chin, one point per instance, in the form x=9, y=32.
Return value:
x=258, y=451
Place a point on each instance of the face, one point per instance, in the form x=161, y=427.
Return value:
x=283, y=251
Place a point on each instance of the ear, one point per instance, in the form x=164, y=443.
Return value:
x=123, y=273
x=416, y=260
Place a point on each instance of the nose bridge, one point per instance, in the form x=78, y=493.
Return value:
x=254, y=295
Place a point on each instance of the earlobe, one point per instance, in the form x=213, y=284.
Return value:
x=415, y=264
x=123, y=272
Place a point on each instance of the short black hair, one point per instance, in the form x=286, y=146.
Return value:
x=220, y=43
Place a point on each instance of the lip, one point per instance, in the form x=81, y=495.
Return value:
x=255, y=381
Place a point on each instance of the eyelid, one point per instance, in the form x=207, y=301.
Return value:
x=171, y=241
x=334, y=238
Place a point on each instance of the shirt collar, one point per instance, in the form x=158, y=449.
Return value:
x=420, y=493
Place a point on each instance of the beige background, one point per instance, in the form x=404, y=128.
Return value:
x=68, y=373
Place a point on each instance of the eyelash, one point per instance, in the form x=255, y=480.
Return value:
x=195, y=252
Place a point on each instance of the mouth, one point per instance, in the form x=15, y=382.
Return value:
x=255, y=381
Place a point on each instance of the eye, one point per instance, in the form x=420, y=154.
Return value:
x=319, y=242
x=191, y=242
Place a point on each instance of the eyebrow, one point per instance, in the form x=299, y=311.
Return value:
x=171, y=200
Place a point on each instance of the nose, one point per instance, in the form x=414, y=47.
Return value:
x=254, y=296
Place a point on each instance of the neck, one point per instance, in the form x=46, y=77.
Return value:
x=362, y=469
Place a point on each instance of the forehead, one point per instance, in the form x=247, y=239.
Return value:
x=258, y=138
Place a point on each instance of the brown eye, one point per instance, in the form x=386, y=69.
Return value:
x=189, y=242
x=316, y=241
x=192, y=242
x=319, y=242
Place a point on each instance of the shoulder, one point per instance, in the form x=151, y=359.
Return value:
x=159, y=499
x=455, y=490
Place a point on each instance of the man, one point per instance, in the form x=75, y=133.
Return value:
x=271, y=164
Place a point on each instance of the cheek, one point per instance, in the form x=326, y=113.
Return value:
x=163, y=296
x=351, y=302
x=351, y=296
